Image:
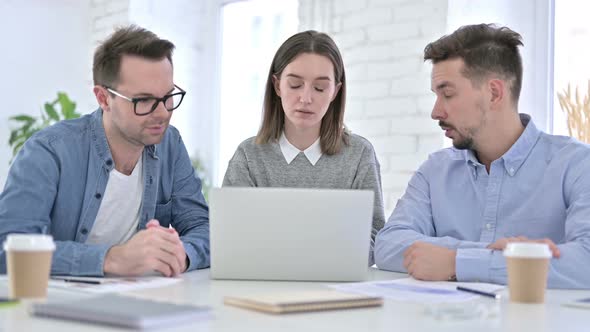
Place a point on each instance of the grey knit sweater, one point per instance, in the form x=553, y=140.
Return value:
x=355, y=167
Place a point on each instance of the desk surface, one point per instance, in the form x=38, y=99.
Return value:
x=197, y=288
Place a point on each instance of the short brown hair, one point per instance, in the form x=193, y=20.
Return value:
x=485, y=49
x=332, y=131
x=129, y=40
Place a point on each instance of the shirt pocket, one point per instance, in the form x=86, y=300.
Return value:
x=164, y=213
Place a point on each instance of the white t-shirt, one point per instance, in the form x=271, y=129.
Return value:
x=120, y=209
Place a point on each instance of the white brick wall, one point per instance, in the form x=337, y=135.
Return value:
x=347, y=7
x=389, y=99
x=400, y=67
x=104, y=15
x=387, y=32
x=360, y=18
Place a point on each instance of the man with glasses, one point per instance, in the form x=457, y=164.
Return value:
x=115, y=188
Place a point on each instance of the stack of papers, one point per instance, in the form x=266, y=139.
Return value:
x=412, y=290
x=279, y=303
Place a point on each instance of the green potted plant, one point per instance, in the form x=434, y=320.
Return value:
x=199, y=166
x=62, y=108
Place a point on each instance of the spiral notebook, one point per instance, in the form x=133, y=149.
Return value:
x=123, y=311
x=280, y=303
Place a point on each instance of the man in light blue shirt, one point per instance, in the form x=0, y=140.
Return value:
x=502, y=181
x=115, y=188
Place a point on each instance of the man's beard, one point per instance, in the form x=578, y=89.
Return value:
x=461, y=142
x=466, y=143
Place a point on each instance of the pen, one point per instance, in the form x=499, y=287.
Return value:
x=81, y=281
x=478, y=292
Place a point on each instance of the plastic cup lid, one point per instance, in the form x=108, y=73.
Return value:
x=527, y=250
x=29, y=242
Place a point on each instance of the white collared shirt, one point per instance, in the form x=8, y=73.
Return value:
x=313, y=152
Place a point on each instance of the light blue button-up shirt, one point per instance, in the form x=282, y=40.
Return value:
x=540, y=188
x=58, y=179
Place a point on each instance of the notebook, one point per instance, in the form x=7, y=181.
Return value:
x=122, y=311
x=290, y=234
x=280, y=303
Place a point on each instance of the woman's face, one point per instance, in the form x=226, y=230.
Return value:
x=306, y=87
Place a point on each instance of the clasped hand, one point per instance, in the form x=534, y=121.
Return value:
x=430, y=262
x=155, y=248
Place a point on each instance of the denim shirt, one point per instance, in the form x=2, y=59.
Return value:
x=57, y=180
x=540, y=188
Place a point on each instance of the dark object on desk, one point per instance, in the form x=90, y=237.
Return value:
x=478, y=292
x=6, y=301
x=123, y=311
x=579, y=303
x=281, y=303
x=80, y=281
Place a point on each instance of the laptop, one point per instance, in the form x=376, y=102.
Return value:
x=290, y=234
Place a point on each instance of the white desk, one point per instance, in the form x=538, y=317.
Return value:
x=393, y=316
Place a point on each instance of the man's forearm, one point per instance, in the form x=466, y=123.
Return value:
x=73, y=258
x=392, y=243
x=196, y=245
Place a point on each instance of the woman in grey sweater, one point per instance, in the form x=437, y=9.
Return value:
x=302, y=142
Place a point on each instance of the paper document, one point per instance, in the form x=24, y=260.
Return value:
x=109, y=285
x=412, y=290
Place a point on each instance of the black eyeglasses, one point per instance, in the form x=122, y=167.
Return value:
x=146, y=105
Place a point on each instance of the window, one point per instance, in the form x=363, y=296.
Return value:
x=251, y=33
x=572, y=54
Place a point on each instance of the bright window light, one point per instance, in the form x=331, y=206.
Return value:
x=251, y=33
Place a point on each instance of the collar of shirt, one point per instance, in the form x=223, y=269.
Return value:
x=518, y=152
x=313, y=153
